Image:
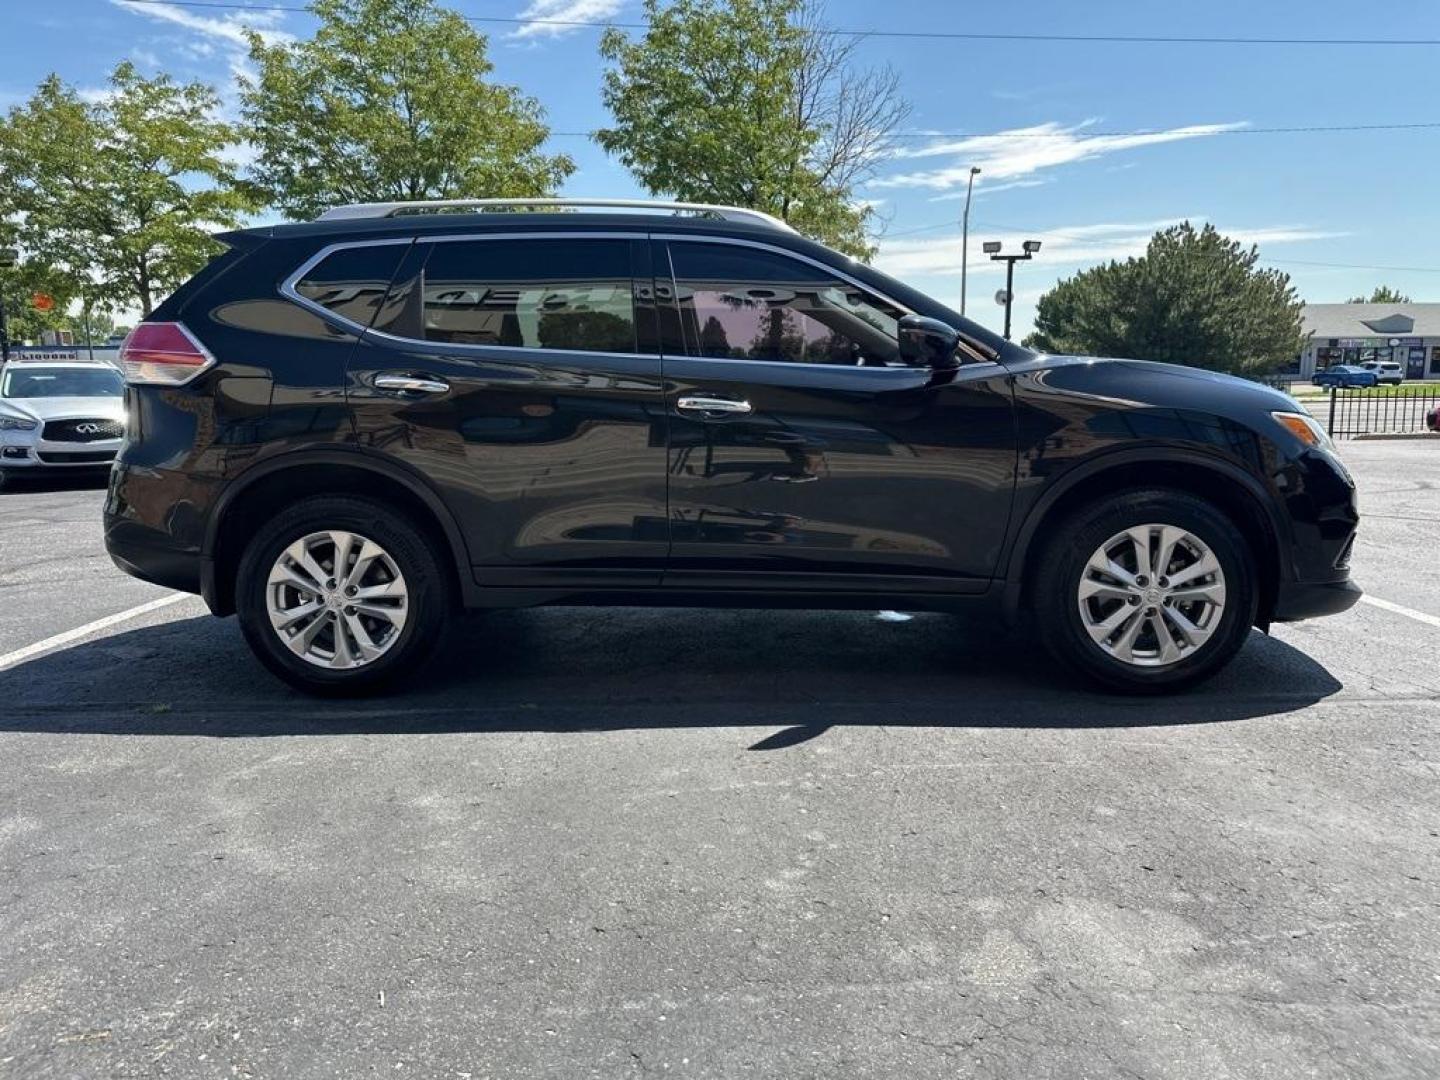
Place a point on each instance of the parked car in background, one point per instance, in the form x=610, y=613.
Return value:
x=350, y=429
x=1387, y=372
x=57, y=417
x=1345, y=376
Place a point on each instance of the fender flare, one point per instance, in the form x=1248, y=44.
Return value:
x=1024, y=537
x=354, y=458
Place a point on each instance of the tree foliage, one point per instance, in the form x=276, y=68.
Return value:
x=749, y=103
x=1195, y=297
x=112, y=201
x=1382, y=294
x=389, y=101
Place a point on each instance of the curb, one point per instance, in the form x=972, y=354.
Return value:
x=1388, y=436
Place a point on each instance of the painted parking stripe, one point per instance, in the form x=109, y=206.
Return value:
x=19, y=656
x=1400, y=609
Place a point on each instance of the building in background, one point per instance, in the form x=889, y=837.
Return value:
x=1408, y=334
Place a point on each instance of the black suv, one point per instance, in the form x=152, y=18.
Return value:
x=347, y=430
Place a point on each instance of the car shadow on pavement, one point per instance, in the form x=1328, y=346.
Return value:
x=595, y=669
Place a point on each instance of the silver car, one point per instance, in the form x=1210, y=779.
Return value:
x=57, y=417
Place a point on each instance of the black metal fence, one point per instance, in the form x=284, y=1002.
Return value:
x=1399, y=410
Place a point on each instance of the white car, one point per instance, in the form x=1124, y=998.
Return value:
x=59, y=417
x=1386, y=371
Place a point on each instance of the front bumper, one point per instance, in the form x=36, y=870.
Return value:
x=35, y=453
x=1296, y=600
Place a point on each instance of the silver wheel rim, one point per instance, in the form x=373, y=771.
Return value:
x=336, y=599
x=1152, y=595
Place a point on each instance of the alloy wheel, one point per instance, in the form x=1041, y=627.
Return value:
x=336, y=599
x=1152, y=595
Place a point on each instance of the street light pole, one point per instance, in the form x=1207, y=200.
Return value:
x=965, y=235
x=992, y=248
x=1009, y=292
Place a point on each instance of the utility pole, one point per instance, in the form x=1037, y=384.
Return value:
x=992, y=248
x=965, y=235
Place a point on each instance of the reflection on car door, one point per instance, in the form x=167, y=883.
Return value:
x=802, y=453
x=515, y=372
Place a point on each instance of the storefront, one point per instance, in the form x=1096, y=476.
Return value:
x=1407, y=334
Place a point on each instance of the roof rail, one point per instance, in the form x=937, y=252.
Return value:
x=396, y=209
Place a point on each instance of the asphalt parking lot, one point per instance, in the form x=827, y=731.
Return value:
x=620, y=843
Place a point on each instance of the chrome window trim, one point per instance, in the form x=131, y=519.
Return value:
x=736, y=241
x=289, y=291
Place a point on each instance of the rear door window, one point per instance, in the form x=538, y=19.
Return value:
x=573, y=293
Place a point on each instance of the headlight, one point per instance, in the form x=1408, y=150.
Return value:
x=16, y=423
x=1305, y=428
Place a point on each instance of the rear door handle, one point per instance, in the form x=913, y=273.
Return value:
x=412, y=384
x=706, y=405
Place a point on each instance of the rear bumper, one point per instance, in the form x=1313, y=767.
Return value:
x=144, y=553
x=1309, y=600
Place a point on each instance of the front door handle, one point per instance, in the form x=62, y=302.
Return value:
x=706, y=405
x=411, y=384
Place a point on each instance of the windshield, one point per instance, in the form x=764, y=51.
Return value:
x=38, y=382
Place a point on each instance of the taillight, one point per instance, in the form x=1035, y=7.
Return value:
x=164, y=353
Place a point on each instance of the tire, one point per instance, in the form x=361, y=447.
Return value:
x=1067, y=622
x=403, y=584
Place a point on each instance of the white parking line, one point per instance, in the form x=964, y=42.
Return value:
x=19, y=656
x=1400, y=609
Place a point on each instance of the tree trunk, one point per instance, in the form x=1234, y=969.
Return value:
x=142, y=281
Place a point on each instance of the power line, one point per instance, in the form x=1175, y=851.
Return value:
x=1313, y=129
x=1088, y=39
x=1356, y=266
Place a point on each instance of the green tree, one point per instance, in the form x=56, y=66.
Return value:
x=1195, y=297
x=113, y=201
x=23, y=321
x=749, y=103
x=1383, y=294
x=389, y=101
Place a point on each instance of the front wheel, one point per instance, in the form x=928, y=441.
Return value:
x=1148, y=592
x=340, y=596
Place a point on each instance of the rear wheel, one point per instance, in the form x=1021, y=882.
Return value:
x=340, y=595
x=1150, y=591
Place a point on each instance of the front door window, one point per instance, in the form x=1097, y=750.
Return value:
x=742, y=303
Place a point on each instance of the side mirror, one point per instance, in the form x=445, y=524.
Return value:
x=930, y=343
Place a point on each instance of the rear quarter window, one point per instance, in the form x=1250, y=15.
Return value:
x=352, y=282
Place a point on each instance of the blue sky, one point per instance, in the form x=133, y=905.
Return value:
x=1027, y=113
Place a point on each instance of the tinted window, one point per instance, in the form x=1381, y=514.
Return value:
x=351, y=282
x=535, y=294
x=38, y=382
x=748, y=304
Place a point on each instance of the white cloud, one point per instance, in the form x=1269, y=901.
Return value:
x=1065, y=248
x=1020, y=152
x=983, y=189
x=551, y=15
x=230, y=27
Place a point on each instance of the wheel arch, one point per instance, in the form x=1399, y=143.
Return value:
x=266, y=487
x=1238, y=494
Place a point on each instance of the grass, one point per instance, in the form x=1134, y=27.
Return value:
x=1405, y=389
